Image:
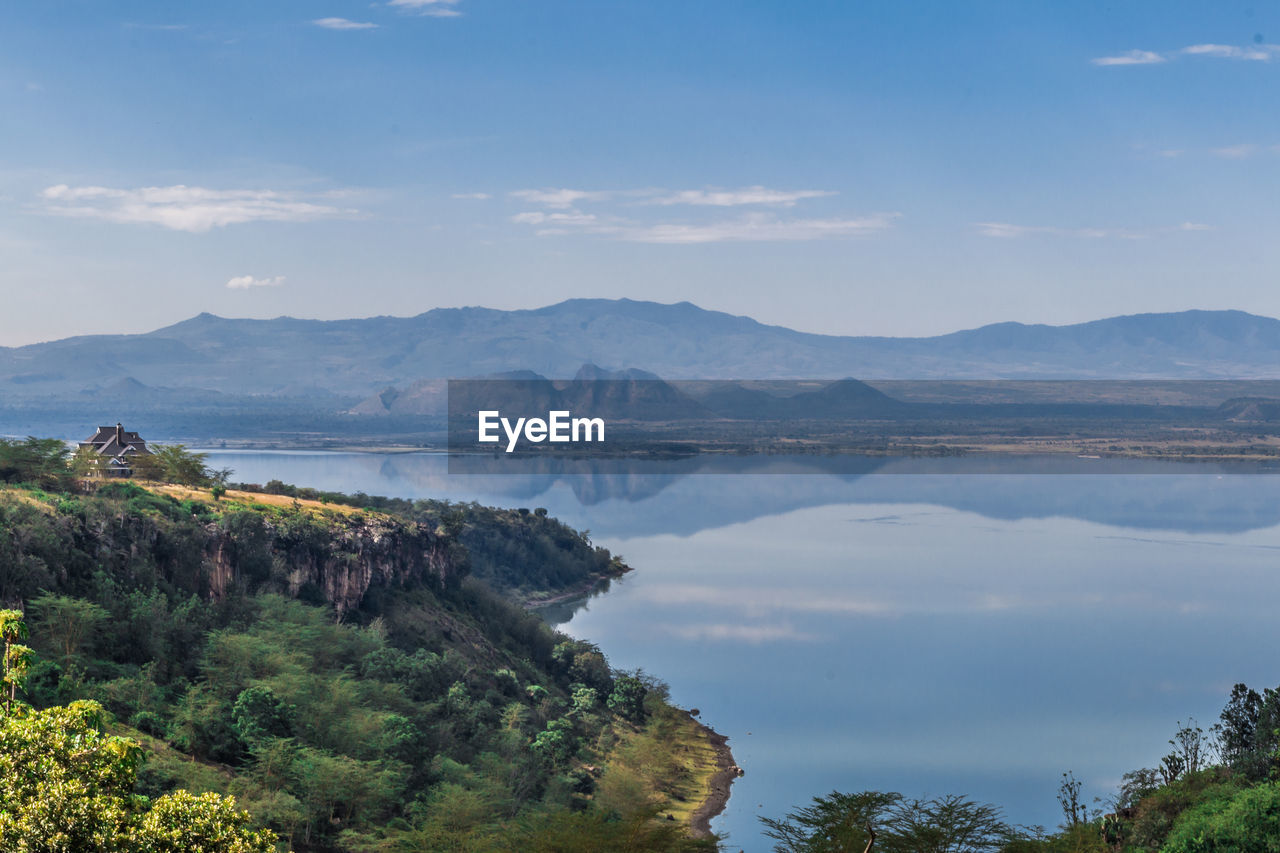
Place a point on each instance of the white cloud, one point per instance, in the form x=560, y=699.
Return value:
x=183, y=208
x=747, y=229
x=1256, y=53
x=559, y=198
x=1007, y=230
x=733, y=198
x=1132, y=57
x=1235, y=152
x=431, y=8
x=244, y=282
x=573, y=218
x=563, y=216
x=472, y=196
x=713, y=197
x=756, y=228
x=343, y=24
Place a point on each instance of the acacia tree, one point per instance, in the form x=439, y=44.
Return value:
x=69, y=622
x=836, y=823
x=174, y=463
x=889, y=823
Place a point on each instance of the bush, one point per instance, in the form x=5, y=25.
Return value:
x=1249, y=822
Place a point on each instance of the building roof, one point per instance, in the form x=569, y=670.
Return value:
x=115, y=442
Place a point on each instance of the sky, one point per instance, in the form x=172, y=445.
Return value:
x=892, y=168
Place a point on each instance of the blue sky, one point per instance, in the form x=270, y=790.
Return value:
x=851, y=168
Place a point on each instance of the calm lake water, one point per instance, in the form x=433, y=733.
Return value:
x=959, y=626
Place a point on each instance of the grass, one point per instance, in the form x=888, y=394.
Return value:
x=251, y=500
x=667, y=765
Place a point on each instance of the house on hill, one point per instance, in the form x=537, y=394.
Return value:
x=114, y=449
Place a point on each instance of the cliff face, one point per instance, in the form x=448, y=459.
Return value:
x=341, y=557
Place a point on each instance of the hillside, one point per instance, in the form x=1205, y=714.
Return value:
x=337, y=669
x=207, y=356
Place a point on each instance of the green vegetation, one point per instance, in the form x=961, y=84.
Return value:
x=1215, y=792
x=66, y=786
x=890, y=822
x=338, y=671
x=41, y=462
x=524, y=554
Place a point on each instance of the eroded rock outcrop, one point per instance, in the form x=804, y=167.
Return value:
x=340, y=556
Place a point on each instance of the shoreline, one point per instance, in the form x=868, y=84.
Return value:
x=719, y=786
x=581, y=591
x=1191, y=449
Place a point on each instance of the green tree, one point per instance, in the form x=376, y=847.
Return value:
x=85, y=463
x=1249, y=822
x=68, y=622
x=66, y=787
x=836, y=823
x=258, y=714
x=173, y=463
x=853, y=823
x=183, y=822
x=39, y=461
x=17, y=657
x=627, y=698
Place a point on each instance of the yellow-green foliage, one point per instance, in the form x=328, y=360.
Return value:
x=665, y=765
x=67, y=787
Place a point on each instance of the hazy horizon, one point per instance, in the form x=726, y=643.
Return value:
x=623, y=298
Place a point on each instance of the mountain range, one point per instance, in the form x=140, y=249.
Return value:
x=353, y=360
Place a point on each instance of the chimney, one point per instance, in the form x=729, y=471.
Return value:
x=120, y=434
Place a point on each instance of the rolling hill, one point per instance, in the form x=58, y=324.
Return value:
x=358, y=358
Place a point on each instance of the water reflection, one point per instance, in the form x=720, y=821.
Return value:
x=969, y=628
x=678, y=496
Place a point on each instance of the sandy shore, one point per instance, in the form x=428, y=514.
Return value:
x=717, y=797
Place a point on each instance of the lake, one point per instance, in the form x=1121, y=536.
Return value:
x=976, y=626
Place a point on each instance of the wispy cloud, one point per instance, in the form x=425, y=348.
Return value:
x=184, y=208
x=734, y=198
x=562, y=215
x=472, y=196
x=1235, y=152
x=431, y=8
x=244, y=282
x=559, y=198
x=757, y=228
x=706, y=197
x=574, y=219
x=1254, y=53
x=344, y=24
x=1132, y=57
x=752, y=228
x=1007, y=230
